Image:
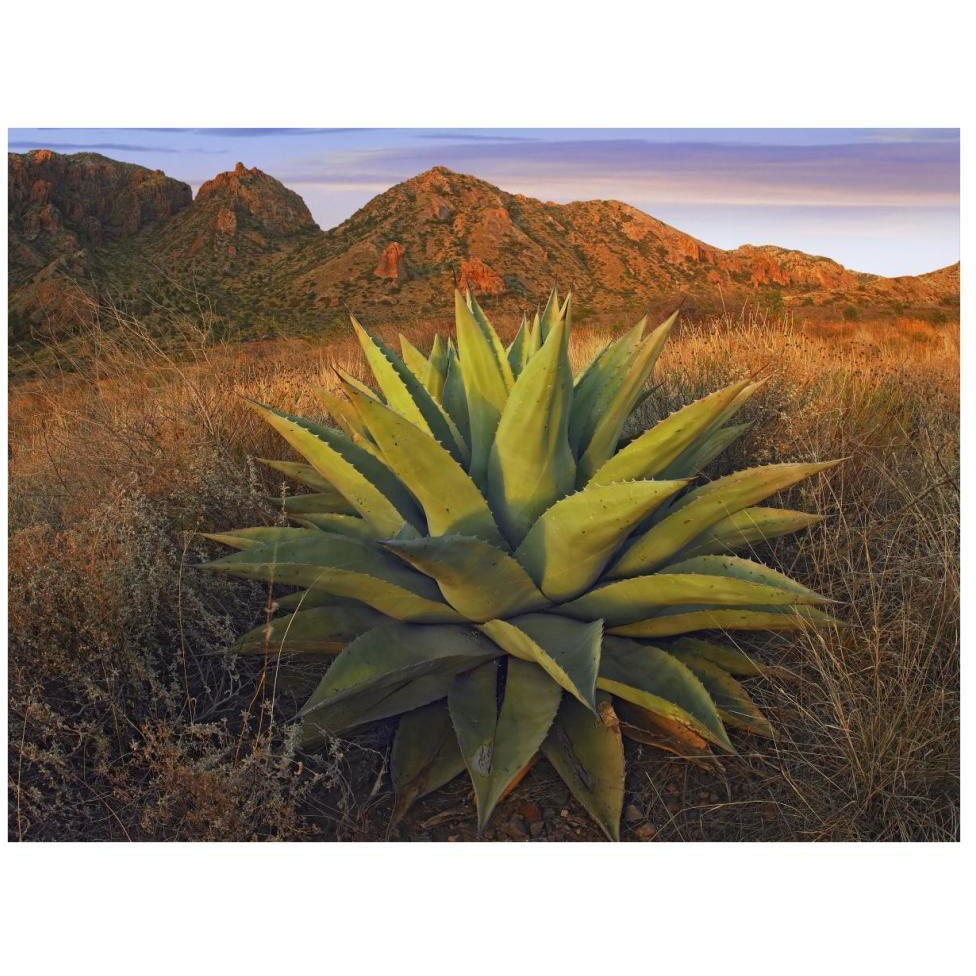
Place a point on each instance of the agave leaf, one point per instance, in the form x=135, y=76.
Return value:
x=478, y=580
x=373, y=704
x=259, y=536
x=655, y=730
x=450, y=499
x=343, y=413
x=599, y=384
x=497, y=746
x=606, y=431
x=734, y=567
x=492, y=336
x=550, y=316
x=747, y=527
x=701, y=455
x=351, y=525
x=729, y=659
x=714, y=439
x=414, y=360
x=406, y=394
x=624, y=601
x=368, y=485
x=734, y=705
x=531, y=464
x=425, y=755
x=346, y=567
x=485, y=386
x=649, y=454
x=518, y=350
x=453, y=396
x=653, y=679
x=437, y=371
x=385, y=659
x=319, y=503
x=319, y=630
x=588, y=753
x=572, y=542
x=304, y=474
x=307, y=599
x=567, y=650
x=685, y=620
x=700, y=509
x=533, y=341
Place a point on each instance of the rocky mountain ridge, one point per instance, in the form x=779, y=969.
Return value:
x=85, y=228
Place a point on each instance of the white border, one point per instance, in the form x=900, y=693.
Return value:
x=687, y=908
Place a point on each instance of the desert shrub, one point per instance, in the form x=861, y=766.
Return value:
x=851, y=313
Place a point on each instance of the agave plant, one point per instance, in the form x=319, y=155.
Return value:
x=489, y=561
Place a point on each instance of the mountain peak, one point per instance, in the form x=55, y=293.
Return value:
x=253, y=200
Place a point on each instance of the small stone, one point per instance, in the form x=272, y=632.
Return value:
x=645, y=831
x=530, y=810
x=564, y=813
x=536, y=828
x=516, y=828
x=632, y=814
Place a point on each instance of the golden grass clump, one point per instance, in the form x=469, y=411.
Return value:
x=128, y=721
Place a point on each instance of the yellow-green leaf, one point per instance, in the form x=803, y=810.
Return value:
x=588, y=753
x=684, y=620
x=734, y=705
x=346, y=567
x=700, y=509
x=450, y=499
x=531, y=464
x=304, y=474
x=730, y=659
x=627, y=600
x=485, y=386
x=497, y=745
x=368, y=486
x=653, y=679
x=480, y=581
x=567, y=650
x=649, y=454
x=609, y=423
x=572, y=542
x=319, y=630
x=748, y=527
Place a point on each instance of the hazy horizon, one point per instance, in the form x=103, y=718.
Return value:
x=884, y=201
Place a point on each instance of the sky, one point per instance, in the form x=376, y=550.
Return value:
x=879, y=200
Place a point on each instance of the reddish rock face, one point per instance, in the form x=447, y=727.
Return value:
x=481, y=278
x=257, y=200
x=92, y=197
x=391, y=264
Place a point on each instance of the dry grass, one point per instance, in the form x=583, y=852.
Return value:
x=126, y=721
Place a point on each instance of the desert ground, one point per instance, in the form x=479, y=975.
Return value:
x=130, y=722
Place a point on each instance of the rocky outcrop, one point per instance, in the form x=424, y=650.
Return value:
x=391, y=263
x=480, y=278
x=254, y=200
x=95, y=199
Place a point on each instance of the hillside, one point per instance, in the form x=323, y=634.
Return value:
x=87, y=229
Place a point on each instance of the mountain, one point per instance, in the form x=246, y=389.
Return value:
x=92, y=229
